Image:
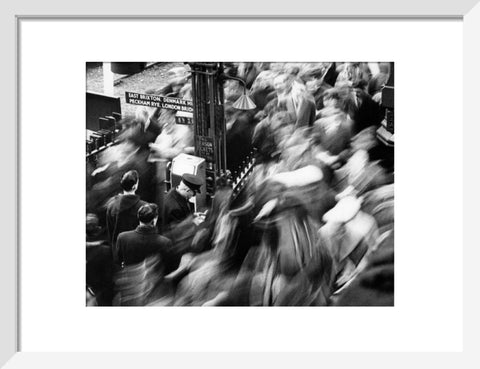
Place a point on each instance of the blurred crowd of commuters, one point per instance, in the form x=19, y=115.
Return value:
x=314, y=226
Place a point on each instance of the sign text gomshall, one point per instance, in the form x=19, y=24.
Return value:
x=157, y=101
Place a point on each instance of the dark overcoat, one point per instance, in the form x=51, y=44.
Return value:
x=135, y=246
x=122, y=215
x=177, y=208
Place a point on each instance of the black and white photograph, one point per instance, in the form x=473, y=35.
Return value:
x=240, y=183
x=239, y=156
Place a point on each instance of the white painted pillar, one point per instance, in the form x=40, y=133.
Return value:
x=107, y=79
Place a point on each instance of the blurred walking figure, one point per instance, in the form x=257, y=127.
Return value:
x=177, y=86
x=293, y=98
x=174, y=139
x=248, y=72
x=99, y=266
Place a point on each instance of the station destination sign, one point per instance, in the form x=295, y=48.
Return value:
x=158, y=101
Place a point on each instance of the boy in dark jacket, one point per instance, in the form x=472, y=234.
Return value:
x=122, y=209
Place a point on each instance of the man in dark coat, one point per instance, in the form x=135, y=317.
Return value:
x=177, y=205
x=135, y=246
x=368, y=112
x=144, y=257
x=122, y=209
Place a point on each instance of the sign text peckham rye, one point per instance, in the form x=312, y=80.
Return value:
x=157, y=101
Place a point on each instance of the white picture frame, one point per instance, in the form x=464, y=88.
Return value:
x=12, y=14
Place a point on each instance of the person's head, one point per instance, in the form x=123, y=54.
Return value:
x=264, y=65
x=282, y=83
x=277, y=67
x=343, y=98
x=292, y=70
x=177, y=77
x=233, y=90
x=312, y=85
x=189, y=186
x=142, y=114
x=129, y=181
x=331, y=98
x=148, y=214
x=93, y=228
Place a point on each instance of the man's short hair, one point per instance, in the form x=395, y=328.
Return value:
x=147, y=213
x=129, y=180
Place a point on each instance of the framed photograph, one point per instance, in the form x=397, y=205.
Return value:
x=71, y=70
